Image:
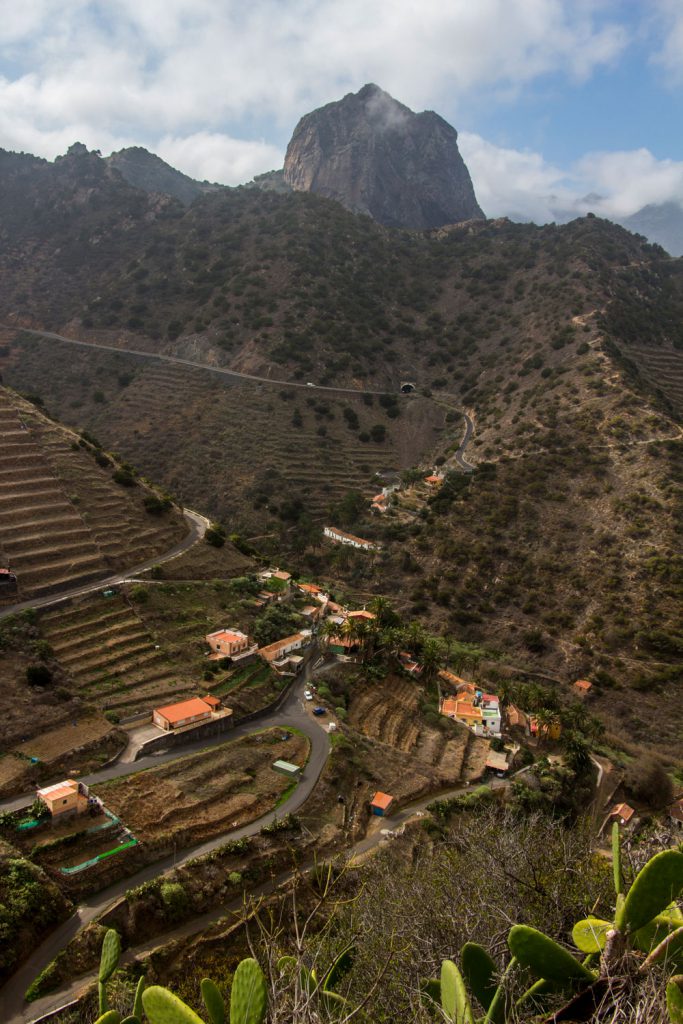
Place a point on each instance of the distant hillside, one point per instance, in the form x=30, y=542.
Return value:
x=661, y=223
x=148, y=172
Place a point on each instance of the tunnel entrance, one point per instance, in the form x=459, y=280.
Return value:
x=407, y=387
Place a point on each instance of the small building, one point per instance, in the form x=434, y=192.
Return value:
x=381, y=804
x=187, y=712
x=65, y=798
x=292, y=771
x=227, y=642
x=517, y=719
x=622, y=813
x=463, y=711
x=311, y=589
x=497, y=761
x=342, y=537
x=281, y=575
x=276, y=652
x=548, y=730
x=582, y=687
x=312, y=611
x=342, y=646
x=675, y=813
x=434, y=481
x=213, y=702
x=408, y=663
x=362, y=614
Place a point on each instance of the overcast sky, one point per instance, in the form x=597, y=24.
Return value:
x=553, y=99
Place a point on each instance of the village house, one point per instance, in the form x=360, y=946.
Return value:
x=463, y=711
x=278, y=655
x=583, y=687
x=226, y=643
x=187, y=712
x=622, y=813
x=434, y=481
x=343, y=647
x=408, y=663
x=497, y=761
x=361, y=614
x=341, y=537
x=517, y=719
x=65, y=798
x=381, y=804
x=548, y=730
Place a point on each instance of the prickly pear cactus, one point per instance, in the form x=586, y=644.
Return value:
x=137, y=1002
x=213, y=1001
x=654, y=888
x=674, y=999
x=131, y=1020
x=109, y=958
x=544, y=956
x=480, y=972
x=110, y=1017
x=162, y=1007
x=248, y=996
x=454, y=999
x=590, y=935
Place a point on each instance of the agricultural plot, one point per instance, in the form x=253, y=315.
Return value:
x=205, y=794
x=388, y=713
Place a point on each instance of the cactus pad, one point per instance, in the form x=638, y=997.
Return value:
x=590, y=935
x=248, y=997
x=213, y=1001
x=454, y=1000
x=545, y=957
x=109, y=958
x=162, y=1007
x=654, y=888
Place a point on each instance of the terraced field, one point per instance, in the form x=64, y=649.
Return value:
x=63, y=519
x=43, y=536
x=205, y=794
x=662, y=368
x=389, y=713
x=111, y=657
x=226, y=446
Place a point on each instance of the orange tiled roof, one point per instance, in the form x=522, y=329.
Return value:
x=228, y=635
x=309, y=588
x=59, y=791
x=583, y=684
x=185, y=709
x=212, y=701
x=362, y=614
x=382, y=800
x=622, y=811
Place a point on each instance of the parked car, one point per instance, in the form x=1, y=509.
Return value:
x=319, y=711
x=308, y=695
x=310, y=384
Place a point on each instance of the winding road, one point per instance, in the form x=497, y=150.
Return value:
x=198, y=525
x=221, y=371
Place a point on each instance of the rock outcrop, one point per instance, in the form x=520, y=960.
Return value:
x=377, y=157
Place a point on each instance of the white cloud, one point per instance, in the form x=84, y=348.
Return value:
x=176, y=68
x=214, y=157
x=669, y=14
x=523, y=186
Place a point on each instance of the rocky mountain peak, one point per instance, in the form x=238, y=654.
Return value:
x=378, y=157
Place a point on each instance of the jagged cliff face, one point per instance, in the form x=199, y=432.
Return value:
x=377, y=157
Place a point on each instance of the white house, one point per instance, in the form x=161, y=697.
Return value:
x=341, y=537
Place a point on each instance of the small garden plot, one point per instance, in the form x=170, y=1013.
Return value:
x=205, y=794
x=79, y=842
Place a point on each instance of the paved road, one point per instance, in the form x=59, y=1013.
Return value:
x=292, y=714
x=23, y=1013
x=459, y=456
x=197, y=528
x=221, y=371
